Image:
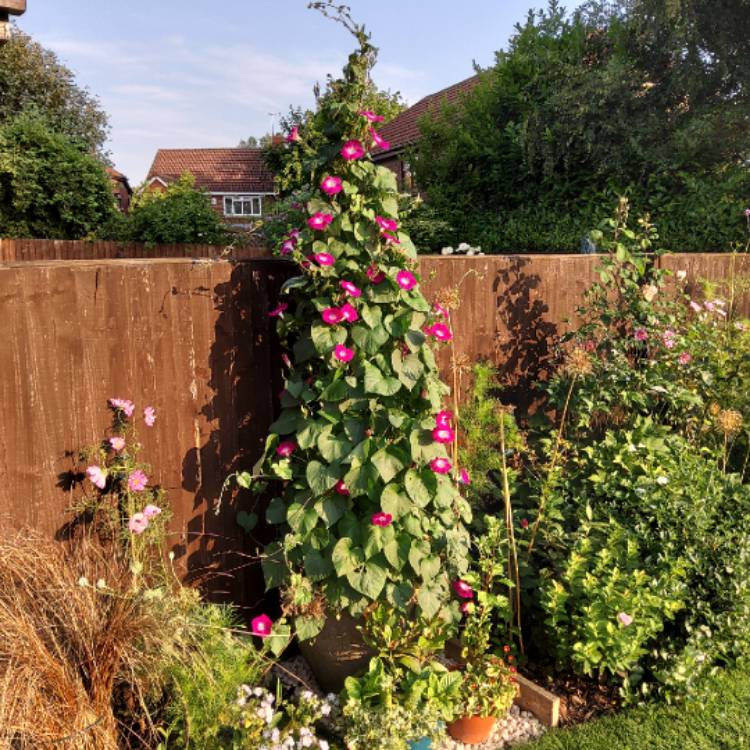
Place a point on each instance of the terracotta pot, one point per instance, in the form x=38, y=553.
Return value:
x=471, y=730
x=337, y=652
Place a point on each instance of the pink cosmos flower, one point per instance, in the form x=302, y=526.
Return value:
x=137, y=481
x=117, y=443
x=372, y=117
x=286, y=448
x=440, y=331
x=382, y=519
x=375, y=275
x=138, y=523
x=463, y=477
x=389, y=225
x=444, y=418
x=288, y=247
x=350, y=289
x=97, y=476
x=331, y=315
x=352, y=150
x=122, y=404
x=640, y=334
x=261, y=626
x=324, y=259
x=524, y=523
x=343, y=353
x=685, y=358
x=320, y=221
x=279, y=310
x=463, y=589
x=625, y=619
x=440, y=465
x=440, y=310
x=151, y=511
x=378, y=140
x=406, y=280
x=341, y=489
x=331, y=185
x=293, y=135
x=669, y=339
x=443, y=435
x=695, y=306
x=149, y=416
x=349, y=313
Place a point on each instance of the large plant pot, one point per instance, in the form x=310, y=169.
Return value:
x=472, y=730
x=337, y=652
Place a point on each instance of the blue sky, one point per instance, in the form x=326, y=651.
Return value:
x=184, y=73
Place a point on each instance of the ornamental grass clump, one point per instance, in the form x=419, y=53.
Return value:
x=366, y=493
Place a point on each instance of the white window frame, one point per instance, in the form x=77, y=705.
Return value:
x=232, y=201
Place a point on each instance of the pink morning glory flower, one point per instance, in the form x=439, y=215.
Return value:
x=293, y=135
x=389, y=225
x=640, y=334
x=149, y=416
x=390, y=239
x=382, y=519
x=349, y=313
x=463, y=477
x=117, y=443
x=138, y=523
x=440, y=310
x=406, y=280
x=279, y=310
x=463, y=589
x=320, y=221
x=151, y=511
x=286, y=448
x=440, y=465
x=331, y=185
x=97, y=476
x=440, y=331
x=444, y=418
x=372, y=117
x=324, y=259
x=375, y=275
x=122, y=404
x=261, y=626
x=352, y=150
x=466, y=607
x=331, y=315
x=625, y=619
x=343, y=353
x=288, y=247
x=285, y=360
x=137, y=481
x=378, y=140
x=524, y=523
x=685, y=358
x=341, y=489
x=443, y=435
x=350, y=289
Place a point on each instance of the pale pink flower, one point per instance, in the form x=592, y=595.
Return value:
x=286, y=448
x=138, y=523
x=444, y=418
x=285, y=360
x=331, y=315
x=640, y=334
x=124, y=405
x=151, y=511
x=389, y=225
x=710, y=306
x=352, y=150
x=625, y=619
x=406, y=280
x=382, y=519
x=440, y=331
x=685, y=358
x=343, y=353
x=350, y=289
x=375, y=275
x=440, y=465
x=261, y=626
x=293, y=135
x=137, y=481
x=695, y=306
x=341, y=489
x=669, y=339
x=117, y=443
x=331, y=185
x=372, y=117
x=443, y=435
x=279, y=310
x=97, y=476
x=149, y=416
x=320, y=221
x=463, y=589
x=747, y=212
x=324, y=259
x=378, y=140
x=349, y=313
x=463, y=477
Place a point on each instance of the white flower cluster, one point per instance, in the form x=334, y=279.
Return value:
x=463, y=248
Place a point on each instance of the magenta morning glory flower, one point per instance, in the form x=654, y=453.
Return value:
x=286, y=448
x=440, y=465
x=293, y=135
x=389, y=225
x=151, y=511
x=440, y=310
x=117, y=443
x=390, y=239
x=685, y=358
x=463, y=477
x=149, y=416
x=625, y=619
x=378, y=140
x=350, y=288
x=122, y=404
x=443, y=418
x=331, y=315
x=352, y=150
x=382, y=519
x=343, y=353
x=463, y=589
x=261, y=626
x=440, y=331
x=466, y=607
x=324, y=259
x=279, y=310
x=349, y=313
x=288, y=247
x=331, y=185
x=97, y=476
x=320, y=221
x=372, y=117
x=524, y=523
x=640, y=334
x=137, y=481
x=137, y=523
x=443, y=435
x=375, y=275
x=406, y=280
x=341, y=489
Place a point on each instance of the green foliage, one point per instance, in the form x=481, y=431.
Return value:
x=49, y=187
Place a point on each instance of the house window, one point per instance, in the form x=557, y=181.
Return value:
x=243, y=205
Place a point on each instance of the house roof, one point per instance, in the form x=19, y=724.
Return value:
x=403, y=129
x=217, y=170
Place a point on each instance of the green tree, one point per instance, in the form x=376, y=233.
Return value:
x=49, y=187
x=32, y=78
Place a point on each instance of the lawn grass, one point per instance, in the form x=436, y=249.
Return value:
x=721, y=723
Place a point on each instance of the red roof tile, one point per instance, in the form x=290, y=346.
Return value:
x=403, y=130
x=217, y=170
